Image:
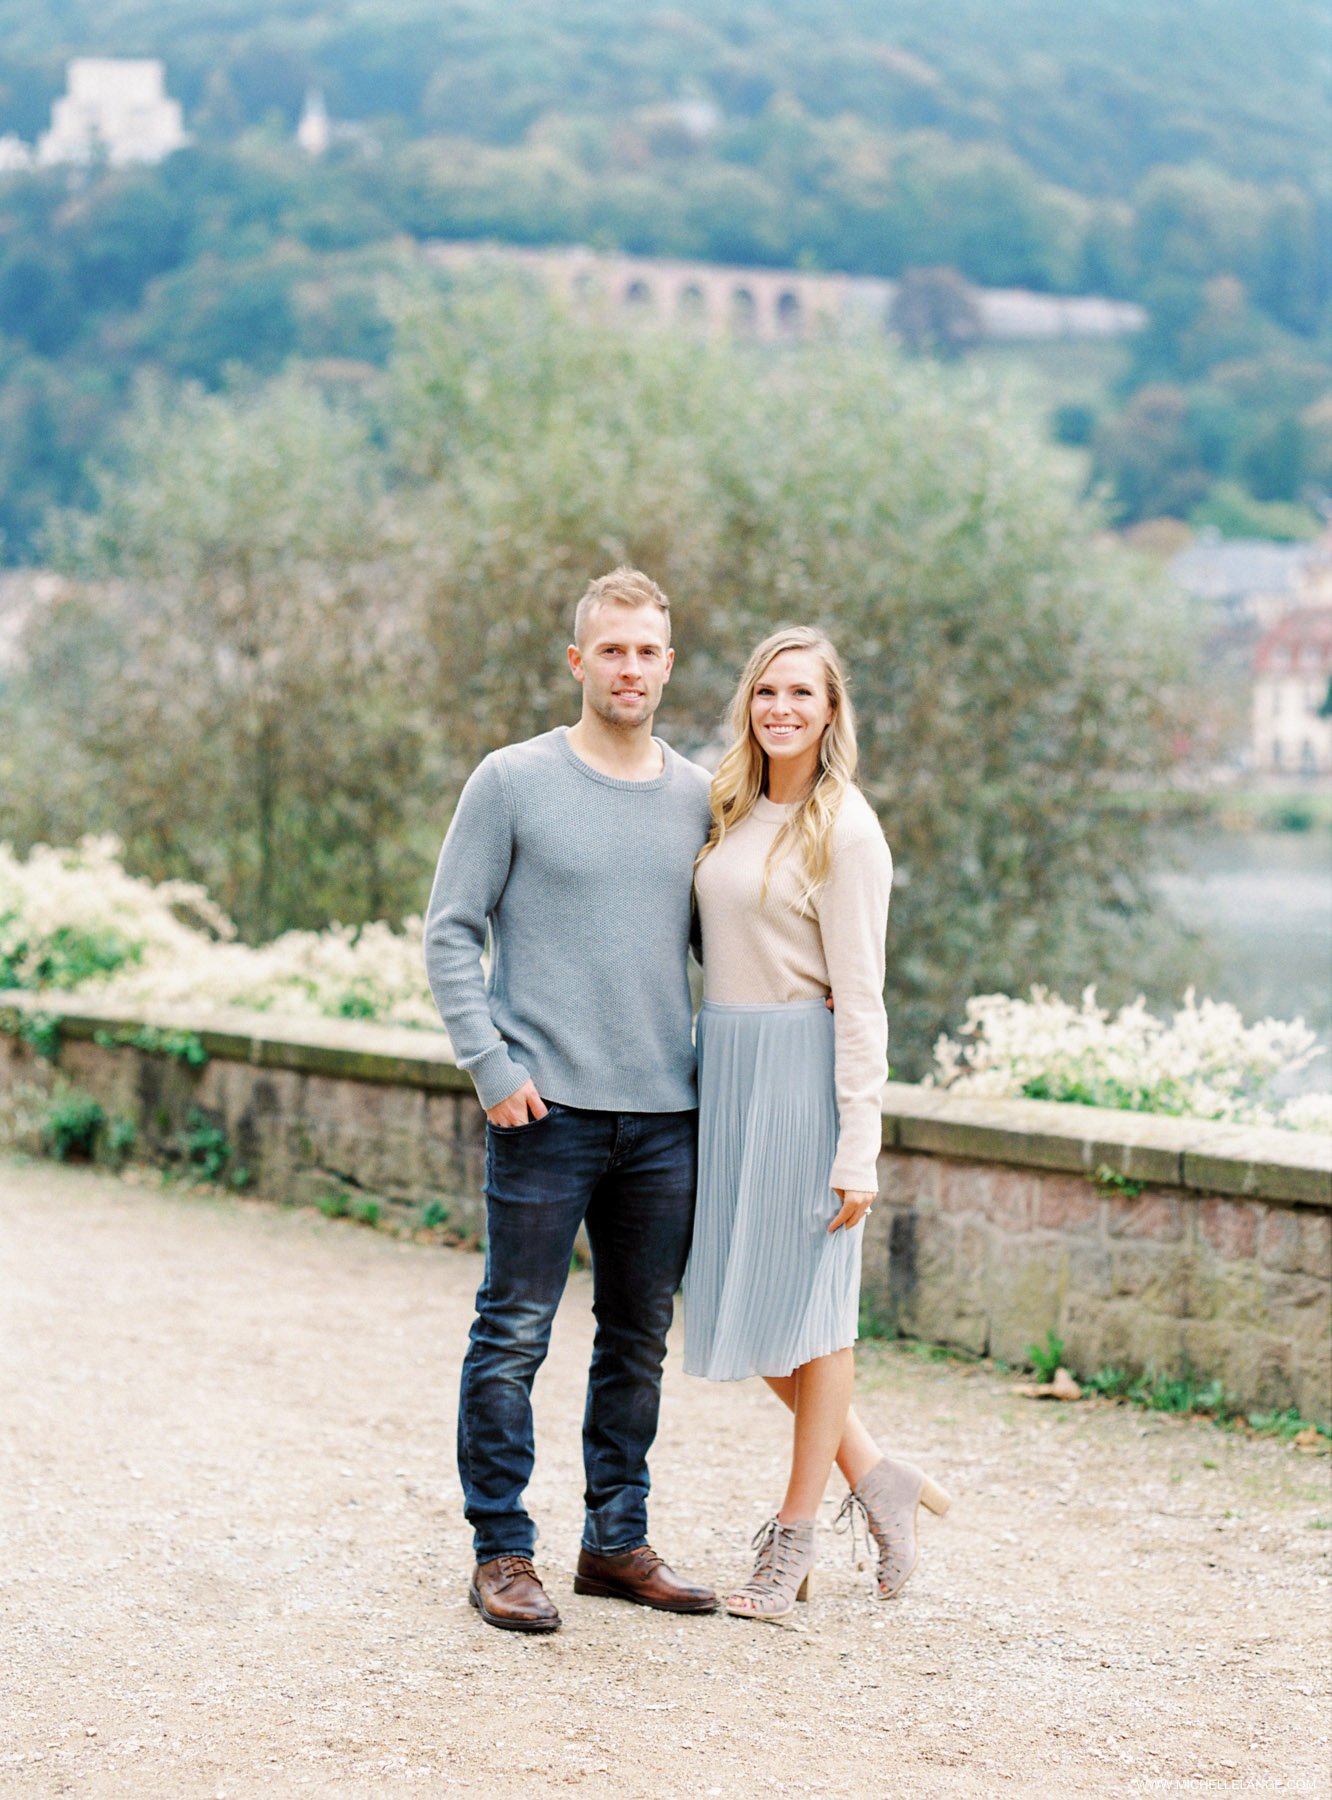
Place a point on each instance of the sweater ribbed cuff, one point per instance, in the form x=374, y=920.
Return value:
x=856, y=1180
x=496, y=1075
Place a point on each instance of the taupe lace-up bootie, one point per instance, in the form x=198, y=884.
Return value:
x=888, y=1499
x=781, y=1573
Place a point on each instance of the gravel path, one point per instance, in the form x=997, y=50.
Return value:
x=234, y=1563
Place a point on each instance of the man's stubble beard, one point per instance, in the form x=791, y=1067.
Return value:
x=618, y=722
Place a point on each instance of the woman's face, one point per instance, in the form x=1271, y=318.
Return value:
x=791, y=709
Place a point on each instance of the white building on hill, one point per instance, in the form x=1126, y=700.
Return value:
x=115, y=108
x=1292, y=695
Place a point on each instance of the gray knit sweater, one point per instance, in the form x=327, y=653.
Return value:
x=584, y=882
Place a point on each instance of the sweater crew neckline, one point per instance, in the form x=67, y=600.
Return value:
x=616, y=781
x=773, y=809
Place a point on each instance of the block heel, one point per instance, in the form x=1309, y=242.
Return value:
x=888, y=1499
x=933, y=1497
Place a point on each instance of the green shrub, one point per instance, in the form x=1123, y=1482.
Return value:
x=71, y=1125
x=1164, y=1393
x=184, y=1046
x=206, y=1151
x=42, y=1032
x=119, y=1139
x=65, y=959
x=1048, y=1357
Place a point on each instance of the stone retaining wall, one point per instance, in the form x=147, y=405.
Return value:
x=1141, y=1241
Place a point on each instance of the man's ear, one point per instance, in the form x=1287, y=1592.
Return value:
x=575, y=656
x=670, y=663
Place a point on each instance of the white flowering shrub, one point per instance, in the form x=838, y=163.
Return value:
x=1205, y=1063
x=1308, y=1112
x=74, y=918
x=366, y=972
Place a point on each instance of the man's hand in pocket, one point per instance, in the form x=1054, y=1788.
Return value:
x=520, y=1108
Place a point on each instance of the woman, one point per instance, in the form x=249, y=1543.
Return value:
x=792, y=889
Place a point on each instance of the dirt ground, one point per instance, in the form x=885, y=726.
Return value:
x=234, y=1563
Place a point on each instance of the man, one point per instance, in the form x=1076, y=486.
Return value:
x=576, y=849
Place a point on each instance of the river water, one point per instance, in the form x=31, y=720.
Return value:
x=1260, y=904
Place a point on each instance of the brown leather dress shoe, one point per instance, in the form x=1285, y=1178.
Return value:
x=507, y=1592
x=641, y=1576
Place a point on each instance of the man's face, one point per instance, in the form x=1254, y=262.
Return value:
x=622, y=664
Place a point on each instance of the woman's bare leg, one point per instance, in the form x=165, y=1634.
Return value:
x=857, y=1452
x=822, y=1402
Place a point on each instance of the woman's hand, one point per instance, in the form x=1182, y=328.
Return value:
x=855, y=1207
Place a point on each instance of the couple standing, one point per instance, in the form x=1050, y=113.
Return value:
x=583, y=853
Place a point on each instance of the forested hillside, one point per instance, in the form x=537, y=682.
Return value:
x=1091, y=96
x=1171, y=154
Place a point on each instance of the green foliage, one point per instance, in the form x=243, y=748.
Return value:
x=40, y=1031
x=1048, y=1357
x=1116, y=147
x=358, y=1003
x=183, y=1046
x=387, y=599
x=206, y=1151
x=434, y=1214
x=1120, y=1184
x=247, y=522
x=65, y=958
x=1178, y=1395
x=337, y=1203
x=1288, y=1423
x=1163, y=1393
x=1234, y=513
x=118, y=1140
x=72, y=1124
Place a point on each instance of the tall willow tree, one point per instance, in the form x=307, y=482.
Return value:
x=309, y=626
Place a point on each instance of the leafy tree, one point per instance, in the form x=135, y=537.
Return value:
x=254, y=724
x=1151, y=455
x=933, y=310
x=1273, y=465
x=215, y=314
x=38, y=304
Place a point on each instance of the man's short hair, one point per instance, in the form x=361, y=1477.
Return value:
x=622, y=587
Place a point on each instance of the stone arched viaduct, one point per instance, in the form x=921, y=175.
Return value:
x=772, y=305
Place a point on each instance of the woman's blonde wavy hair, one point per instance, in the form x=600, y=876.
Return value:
x=742, y=772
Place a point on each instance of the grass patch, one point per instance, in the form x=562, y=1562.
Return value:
x=1180, y=1396
x=183, y=1046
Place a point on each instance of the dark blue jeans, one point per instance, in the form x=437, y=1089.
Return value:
x=630, y=1178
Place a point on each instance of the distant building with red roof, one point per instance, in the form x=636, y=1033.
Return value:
x=1292, y=694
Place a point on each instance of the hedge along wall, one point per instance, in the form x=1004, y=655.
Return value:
x=1142, y=1241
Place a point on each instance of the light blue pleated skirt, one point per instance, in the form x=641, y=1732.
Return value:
x=767, y=1287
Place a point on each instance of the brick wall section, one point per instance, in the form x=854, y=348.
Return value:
x=996, y=1225
x=989, y=1258
x=362, y=1113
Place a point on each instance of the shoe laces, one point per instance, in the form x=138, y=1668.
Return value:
x=854, y=1513
x=776, y=1547
x=511, y=1568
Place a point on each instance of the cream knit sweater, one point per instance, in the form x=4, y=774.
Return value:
x=769, y=952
